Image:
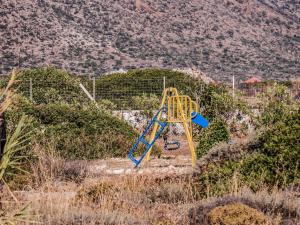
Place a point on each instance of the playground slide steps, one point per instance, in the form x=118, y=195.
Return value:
x=142, y=139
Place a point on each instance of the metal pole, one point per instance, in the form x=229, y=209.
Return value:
x=94, y=88
x=30, y=89
x=88, y=94
x=164, y=83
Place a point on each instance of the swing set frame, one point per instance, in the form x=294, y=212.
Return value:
x=179, y=110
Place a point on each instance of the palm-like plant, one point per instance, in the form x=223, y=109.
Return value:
x=15, y=143
x=11, y=160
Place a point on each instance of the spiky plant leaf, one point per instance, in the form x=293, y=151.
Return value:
x=15, y=143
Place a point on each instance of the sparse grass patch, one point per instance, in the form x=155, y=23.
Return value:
x=172, y=190
x=95, y=193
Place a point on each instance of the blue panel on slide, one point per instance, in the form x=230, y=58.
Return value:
x=200, y=120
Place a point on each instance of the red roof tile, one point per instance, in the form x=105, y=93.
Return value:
x=252, y=80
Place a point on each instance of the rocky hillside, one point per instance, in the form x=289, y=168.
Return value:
x=220, y=37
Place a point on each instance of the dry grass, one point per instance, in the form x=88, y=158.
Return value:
x=280, y=207
x=236, y=214
x=49, y=168
x=61, y=192
x=145, y=200
x=65, y=193
x=109, y=201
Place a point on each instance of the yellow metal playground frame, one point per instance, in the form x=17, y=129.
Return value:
x=179, y=110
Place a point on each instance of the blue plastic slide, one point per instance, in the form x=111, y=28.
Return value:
x=200, y=120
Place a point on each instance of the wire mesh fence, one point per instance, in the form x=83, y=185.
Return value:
x=123, y=94
x=129, y=93
x=119, y=93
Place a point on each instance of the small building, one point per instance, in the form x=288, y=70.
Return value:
x=252, y=86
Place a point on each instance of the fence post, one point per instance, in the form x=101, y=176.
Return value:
x=30, y=89
x=164, y=82
x=94, y=87
x=88, y=94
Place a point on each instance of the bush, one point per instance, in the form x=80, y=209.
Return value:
x=217, y=179
x=274, y=159
x=274, y=162
x=235, y=214
x=275, y=104
x=216, y=132
x=50, y=85
x=76, y=132
x=120, y=88
x=278, y=157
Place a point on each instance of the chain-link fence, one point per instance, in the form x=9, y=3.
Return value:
x=117, y=93
x=256, y=91
x=128, y=93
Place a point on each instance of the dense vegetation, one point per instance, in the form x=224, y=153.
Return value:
x=63, y=119
x=50, y=85
x=120, y=88
x=274, y=158
x=77, y=132
x=214, y=134
x=277, y=160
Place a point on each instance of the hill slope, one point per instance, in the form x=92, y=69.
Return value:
x=219, y=37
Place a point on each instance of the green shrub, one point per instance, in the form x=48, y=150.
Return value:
x=217, y=179
x=275, y=104
x=50, y=85
x=275, y=161
x=76, y=132
x=122, y=87
x=278, y=158
x=216, y=132
x=150, y=102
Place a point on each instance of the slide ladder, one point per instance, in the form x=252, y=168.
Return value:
x=142, y=139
